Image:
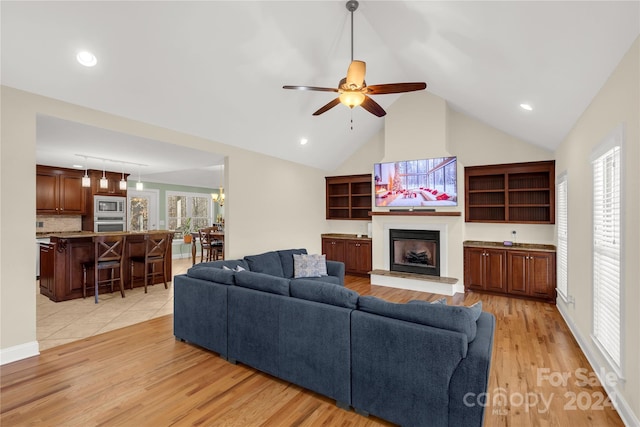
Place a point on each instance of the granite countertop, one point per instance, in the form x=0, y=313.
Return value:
x=515, y=247
x=344, y=236
x=82, y=234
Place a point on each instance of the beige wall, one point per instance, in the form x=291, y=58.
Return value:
x=616, y=103
x=271, y=203
x=421, y=125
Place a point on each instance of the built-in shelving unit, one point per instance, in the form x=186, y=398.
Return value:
x=348, y=197
x=513, y=193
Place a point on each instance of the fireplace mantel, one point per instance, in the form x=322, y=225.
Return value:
x=414, y=213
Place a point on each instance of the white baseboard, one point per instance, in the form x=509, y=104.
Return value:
x=619, y=402
x=19, y=352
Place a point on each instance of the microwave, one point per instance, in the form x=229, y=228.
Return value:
x=109, y=205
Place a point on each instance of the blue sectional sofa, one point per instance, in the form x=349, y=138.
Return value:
x=414, y=364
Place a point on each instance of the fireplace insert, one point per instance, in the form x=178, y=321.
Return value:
x=415, y=251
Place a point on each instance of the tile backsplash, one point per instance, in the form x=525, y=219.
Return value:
x=57, y=223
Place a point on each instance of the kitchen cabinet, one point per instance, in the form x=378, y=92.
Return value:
x=511, y=193
x=59, y=191
x=113, y=183
x=348, y=197
x=485, y=269
x=353, y=251
x=522, y=270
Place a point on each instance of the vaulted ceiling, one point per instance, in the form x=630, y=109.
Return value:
x=216, y=69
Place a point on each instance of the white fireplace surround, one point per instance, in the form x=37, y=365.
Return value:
x=442, y=228
x=422, y=285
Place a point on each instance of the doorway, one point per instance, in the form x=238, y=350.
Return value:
x=143, y=209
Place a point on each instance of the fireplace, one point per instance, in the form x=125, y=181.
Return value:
x=414, y=251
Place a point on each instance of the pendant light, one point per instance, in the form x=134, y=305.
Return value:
x=86, y=181
x=104, y=182
x=123, y=183
x=139, y=184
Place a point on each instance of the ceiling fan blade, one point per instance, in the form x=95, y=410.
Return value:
x=373, y=107
x=327, y=107
x=355, y=74
x=395, y=88
x=319, y=89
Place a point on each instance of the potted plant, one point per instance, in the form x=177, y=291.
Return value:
x=185, y=229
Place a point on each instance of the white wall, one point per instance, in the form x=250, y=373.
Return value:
x=617, y=102
x=271, y=203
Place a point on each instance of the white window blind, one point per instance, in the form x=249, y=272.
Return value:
x=562, y=227
x=606, y=253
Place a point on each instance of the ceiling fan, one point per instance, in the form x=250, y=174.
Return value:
x=353, y=89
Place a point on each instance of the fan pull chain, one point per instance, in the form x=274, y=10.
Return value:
x=351, y=118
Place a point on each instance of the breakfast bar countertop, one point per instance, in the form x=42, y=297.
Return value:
x=513, y=247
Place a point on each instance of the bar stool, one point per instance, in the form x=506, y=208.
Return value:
x=108, y=254
x=155, y=253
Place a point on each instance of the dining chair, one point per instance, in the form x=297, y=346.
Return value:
x=108, y=255
x=206, y=243
x=153, y=260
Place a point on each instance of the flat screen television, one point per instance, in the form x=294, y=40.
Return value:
x=416, y=183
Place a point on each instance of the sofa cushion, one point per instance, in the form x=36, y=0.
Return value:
x=267, y=263
x=442, y=300
x=309, y=265
x=326, y=279
x=286, y=259
x=229, y=263
x=327, y=293
x=262, y=282
x=451, y=317
x=218, y=275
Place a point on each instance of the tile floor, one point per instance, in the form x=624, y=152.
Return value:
x=63, y=322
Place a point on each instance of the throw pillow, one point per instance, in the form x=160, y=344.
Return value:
x=476, y=310
x=237, y=268
x=309, y=265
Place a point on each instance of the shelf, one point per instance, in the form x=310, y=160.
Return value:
x=348, y=197
x=414, y=213
x=511, y=193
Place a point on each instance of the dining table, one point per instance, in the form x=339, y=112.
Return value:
x=195, y=239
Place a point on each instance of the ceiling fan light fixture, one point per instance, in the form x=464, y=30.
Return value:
x=352, y=98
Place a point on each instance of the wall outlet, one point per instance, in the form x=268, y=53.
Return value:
x=39, y=224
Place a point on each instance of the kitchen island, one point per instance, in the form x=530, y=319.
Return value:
x=61, y=261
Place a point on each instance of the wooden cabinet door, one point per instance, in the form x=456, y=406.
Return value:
x=495, y=270
x=46, y=193
x=47, y=272
x=72, y=200
x=474, y=268
x=518, y=274
x=358, y=257
x=333, y=249
x=542, y=269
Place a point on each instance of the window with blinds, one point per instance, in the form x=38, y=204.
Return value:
x=606, y=250
x=562, y=228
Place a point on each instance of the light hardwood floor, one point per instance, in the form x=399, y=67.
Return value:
x=141, y=376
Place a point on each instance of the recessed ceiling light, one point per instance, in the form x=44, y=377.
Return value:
x=87, y=58
x=526, y=107
x=303, y=141
x=78, y=166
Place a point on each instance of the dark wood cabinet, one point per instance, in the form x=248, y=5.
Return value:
x=348, y=197
x=485, y=269
x=113, y=183
x=532, y=274
x=514, y=193
x=59, y=191
x=358, y=259
x=354, y=251
x=516, y=272
x=334, y=249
